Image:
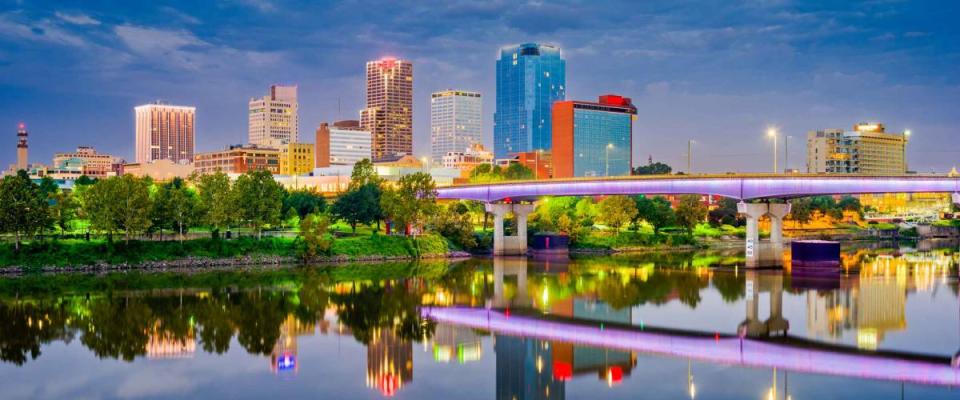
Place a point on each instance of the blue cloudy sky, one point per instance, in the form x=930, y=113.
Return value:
x=717, y=71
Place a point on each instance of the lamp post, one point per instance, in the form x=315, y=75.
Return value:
x=607, y=168
x=786, y=153
x=906, y=137
x=690, y=156
x=772, y=132
x=536, y=165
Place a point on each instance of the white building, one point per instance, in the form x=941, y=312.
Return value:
x=273, y=118
x=454, y=122
x=343, y=143
x=164, y=132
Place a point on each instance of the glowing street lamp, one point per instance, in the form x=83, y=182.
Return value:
x=906, y=137
x=772, y=133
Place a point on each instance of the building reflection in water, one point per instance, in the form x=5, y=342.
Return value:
x=389, y=362
x=454, y=342
x=284, y=359
x=164, y=344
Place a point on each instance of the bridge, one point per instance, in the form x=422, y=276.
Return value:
x=791, y=355
x=514, y=197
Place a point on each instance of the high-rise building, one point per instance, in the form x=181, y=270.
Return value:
x=273, y=118
x=343, y=143
x=593, y=139
x=164, y=132
x=868, y=149
x=238, y=159
x=389, y=113
x=22, y=161
x=530, y=77
x=296, y=158
x=454, y=122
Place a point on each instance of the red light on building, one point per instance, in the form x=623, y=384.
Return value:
x=615, y=100
x=562, y=371
x=614, y=375
x=22, y=126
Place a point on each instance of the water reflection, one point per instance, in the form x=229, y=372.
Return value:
x=881, y=303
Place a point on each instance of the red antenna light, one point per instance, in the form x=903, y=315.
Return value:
x=22, y=126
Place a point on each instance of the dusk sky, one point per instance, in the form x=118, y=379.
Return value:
x=711, y=71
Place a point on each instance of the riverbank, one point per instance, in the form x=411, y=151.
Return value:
x=102, y=255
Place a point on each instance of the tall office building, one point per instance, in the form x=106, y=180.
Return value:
x=593, y=139
x=343, y=143
x=868, y=149
x=389, y=113
x=22, y=161
x=454, y=122
x=273, y=118
x=530, y=77
x=164, y=132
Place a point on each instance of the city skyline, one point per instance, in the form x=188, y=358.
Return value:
x=720, y=83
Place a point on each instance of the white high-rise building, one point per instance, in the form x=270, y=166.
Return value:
x=273, y=118
x=454, y=122
x=164, y=132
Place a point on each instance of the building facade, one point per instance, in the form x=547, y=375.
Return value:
x=88, y=161
x=467, y=159
x=164, y=132
x=867, y=149
x=296, y=158
x=593, y=139
x=389, y=112
x=530, y=78
x=274, y=118
x=238, y=159
x=454, y=122
x=343, y=143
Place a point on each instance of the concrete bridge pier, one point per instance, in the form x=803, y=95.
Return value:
x=510, y=266
x=775, y=324
x=515, y=244
x=755, y=254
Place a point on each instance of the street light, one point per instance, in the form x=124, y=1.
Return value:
x=536, y=171
x=772, y=132
x=786, y=153
x=607, y=171
x=690, y=156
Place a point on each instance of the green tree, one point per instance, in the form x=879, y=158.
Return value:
x=304, y=202
x=23, y=207
x=84, y=180
x=183, y=204
x=130, y=199
x=360, y=206
x=259, y=199
x=454, y=223
x=656, y=211
x=585, y=211
x=690, y=212
x=801, y=210
x=364, y=173
x=313, y=232
x=63, y=209
x=412, y=201
x=215, y=201
x=653, y=168
x=725, y=214
x=616, y=211
x=517, y=171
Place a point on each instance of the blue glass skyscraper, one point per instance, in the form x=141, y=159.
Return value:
x=530, y=77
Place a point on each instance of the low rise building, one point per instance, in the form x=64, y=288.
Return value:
x=467, y=160
x=160, y=170
x=868, y=149
x=343, y=143
x=238, y=159
x=296, y=158
x=87, y=161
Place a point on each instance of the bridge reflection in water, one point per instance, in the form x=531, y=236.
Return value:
x=524, y=333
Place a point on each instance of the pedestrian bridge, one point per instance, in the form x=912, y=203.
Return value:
x=791, y=355
x=506, y=198
x=735, y=186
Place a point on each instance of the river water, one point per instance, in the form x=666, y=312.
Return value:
x=662, y=326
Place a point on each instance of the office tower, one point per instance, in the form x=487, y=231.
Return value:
x=164, y=132
x=344, y=143
x=593, y=139
x=454, y=122
x=238, y=159
x=530, y=77
x=22, y=161
x=868, y=149
x=273, y=118
x=296, y=158
x=389, y=113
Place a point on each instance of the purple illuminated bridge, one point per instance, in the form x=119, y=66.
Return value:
x=741, y=187
x=725, y=350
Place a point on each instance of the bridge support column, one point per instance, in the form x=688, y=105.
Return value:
x=776, y=213
x=752, y=212
x=517, y=243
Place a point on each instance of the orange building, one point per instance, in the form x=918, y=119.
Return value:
x=593, y=139
x=238, y=159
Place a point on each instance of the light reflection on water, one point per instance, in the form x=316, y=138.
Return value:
x=358, y=332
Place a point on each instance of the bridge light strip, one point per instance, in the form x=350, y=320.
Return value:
x=731, y=351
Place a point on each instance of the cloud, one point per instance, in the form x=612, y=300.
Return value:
x=42, y=31
x=260, y=5
x=76, y=19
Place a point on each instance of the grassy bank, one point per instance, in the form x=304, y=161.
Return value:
x=74, y=252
